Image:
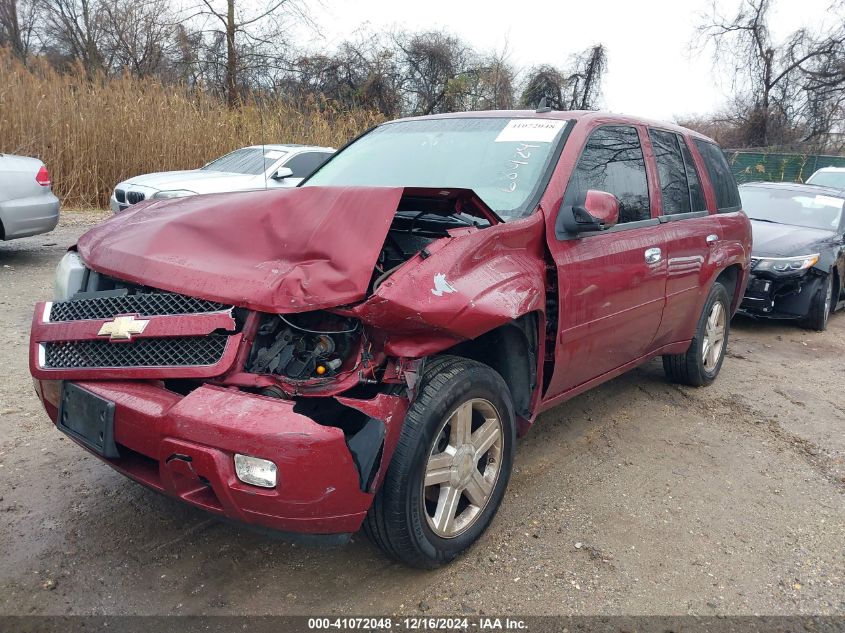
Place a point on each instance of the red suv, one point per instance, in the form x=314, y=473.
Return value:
x=364, y=349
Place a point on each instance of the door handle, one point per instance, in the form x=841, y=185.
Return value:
x=712, y=238
x=652, y=255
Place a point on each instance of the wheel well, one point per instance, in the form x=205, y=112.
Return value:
x=511, y=350
x=729, y=278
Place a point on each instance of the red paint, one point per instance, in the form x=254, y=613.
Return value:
x=302, y=249
x=603, y=206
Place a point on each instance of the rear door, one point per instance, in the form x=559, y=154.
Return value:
x=688, y=230
x=611, y=283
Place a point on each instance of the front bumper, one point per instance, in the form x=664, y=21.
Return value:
x=184, y=446
x=780, y=298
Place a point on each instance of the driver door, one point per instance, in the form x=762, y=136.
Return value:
x=611, y=283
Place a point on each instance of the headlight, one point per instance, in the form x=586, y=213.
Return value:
x=69, y=275
x=176, y=193
x=783, y=265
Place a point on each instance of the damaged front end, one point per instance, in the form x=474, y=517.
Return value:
x=782, y=287
x=304, y=350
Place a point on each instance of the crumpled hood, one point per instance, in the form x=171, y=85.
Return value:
x=286, y=250
x=785, y=240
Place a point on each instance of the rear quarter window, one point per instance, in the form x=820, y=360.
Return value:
x=721, y=177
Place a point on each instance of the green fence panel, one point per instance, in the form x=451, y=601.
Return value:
x=776, y=167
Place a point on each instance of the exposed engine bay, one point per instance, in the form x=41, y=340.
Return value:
x=303, y=346
x=417, y=223
x=321, y=344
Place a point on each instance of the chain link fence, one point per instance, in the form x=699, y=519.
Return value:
x=748, y=166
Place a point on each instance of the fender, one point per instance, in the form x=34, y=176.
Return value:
x=459, y=288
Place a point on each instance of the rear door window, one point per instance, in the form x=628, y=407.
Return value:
x=612, y=161
x=674, y=189
x=724, y=185
x=696, y=193
x=680, y=185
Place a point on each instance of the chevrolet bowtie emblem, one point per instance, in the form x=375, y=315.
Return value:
x=122, y=328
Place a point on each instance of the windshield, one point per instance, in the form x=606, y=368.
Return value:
x=252, y=161
x=502, y=160
x=798, y=208
x=828, y=179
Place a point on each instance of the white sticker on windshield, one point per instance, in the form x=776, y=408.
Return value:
x=830, y=201
x=273, y=154
x=530, y=130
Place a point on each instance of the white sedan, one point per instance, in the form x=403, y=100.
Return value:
x=245, y=169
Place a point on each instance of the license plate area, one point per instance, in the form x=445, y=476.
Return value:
x=88, y=418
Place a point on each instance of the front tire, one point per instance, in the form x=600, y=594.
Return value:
x=821, y=306
x=451, y=466
x=700, y=364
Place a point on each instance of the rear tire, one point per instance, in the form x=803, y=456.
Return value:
x=700, y=364
x=821, y=306
x=451, y=466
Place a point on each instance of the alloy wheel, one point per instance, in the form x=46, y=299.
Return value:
x=714, y=336
x=463, y=467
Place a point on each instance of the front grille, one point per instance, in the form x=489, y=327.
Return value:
x=120, y=195
x=133, y=197
x=143, y=304
x=151, y=352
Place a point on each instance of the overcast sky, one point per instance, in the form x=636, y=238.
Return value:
x=650, y=73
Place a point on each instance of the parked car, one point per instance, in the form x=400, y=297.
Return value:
x=828, y=177
x=27, y=204
x=245, y=169
x=364, y=348
x=798, y=260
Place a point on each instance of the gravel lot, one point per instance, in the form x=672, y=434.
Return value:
x=636, y=498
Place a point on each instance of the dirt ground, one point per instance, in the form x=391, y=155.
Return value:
x=636, y=498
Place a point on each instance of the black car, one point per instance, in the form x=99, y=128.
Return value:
x=798, y=257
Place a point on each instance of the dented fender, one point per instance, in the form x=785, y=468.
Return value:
x=463, y=286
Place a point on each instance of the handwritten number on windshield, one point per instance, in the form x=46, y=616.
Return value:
x=523, y=151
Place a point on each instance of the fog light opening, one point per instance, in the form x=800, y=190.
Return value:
x=255, y=471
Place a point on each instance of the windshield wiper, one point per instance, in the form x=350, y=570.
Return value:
x=457, y=216
x=764, y=220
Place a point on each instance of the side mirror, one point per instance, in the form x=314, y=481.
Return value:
x=281, y=173
x=599, y=211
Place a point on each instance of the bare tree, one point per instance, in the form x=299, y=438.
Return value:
x=434, y=67
x=586, y=73
x=17, y=25
x=782, y=85
x=75, y=30
x=576, y=88
x=494, y=83
x=252, y=36
x=140, y=35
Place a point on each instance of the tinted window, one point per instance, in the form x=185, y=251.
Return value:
x=612, y=161
x=674, y=189
x=696, y=193
x=724, y=185
x=303, y=165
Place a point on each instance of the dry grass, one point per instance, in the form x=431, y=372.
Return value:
x=92, y=135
